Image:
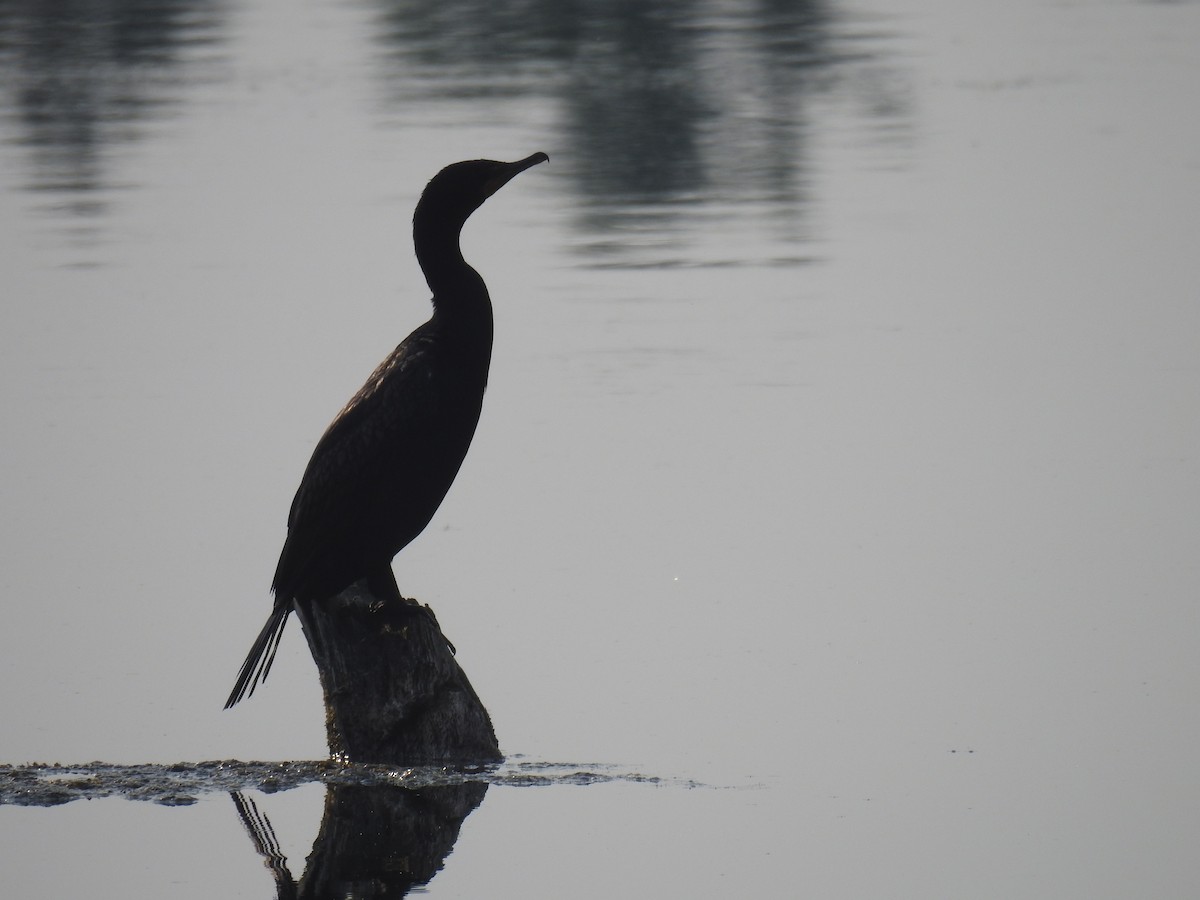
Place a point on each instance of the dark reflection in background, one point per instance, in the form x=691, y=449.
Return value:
x=670, y=113
x=669, y=117
x=79, y=77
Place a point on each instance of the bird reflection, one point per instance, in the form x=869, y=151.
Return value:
x=374, y=840
x=258, y=826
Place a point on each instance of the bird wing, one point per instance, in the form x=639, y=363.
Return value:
x=378, y=473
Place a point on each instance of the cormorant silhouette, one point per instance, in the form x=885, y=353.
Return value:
x=382, y=467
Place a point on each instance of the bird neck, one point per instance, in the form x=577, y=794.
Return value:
x=460, y=298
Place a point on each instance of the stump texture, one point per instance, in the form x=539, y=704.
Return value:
x=394, y=693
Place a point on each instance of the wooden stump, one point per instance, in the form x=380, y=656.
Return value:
x=394, y=693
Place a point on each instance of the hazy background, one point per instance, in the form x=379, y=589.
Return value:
x=841, y=445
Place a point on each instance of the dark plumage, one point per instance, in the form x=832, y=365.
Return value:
x=382, y=467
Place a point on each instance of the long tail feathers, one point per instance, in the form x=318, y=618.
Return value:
x=262, y=654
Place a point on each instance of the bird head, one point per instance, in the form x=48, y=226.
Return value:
x=460, y=189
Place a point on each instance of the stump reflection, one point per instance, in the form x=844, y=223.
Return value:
x=374, y=840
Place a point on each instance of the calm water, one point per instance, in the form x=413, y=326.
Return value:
x=840, y=454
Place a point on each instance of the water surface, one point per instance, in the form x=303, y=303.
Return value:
x=839, y=456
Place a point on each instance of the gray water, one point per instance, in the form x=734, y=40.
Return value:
x=836, y=491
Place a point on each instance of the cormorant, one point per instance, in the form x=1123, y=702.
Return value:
x=382, y=467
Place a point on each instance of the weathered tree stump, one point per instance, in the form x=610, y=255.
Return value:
x=394, y=693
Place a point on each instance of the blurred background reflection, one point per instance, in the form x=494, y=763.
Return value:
x=671, y=120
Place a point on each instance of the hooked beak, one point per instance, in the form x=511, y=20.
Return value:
x=512, y=170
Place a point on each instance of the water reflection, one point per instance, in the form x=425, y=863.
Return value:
x=374, y=841
x=674, y=118
x=79, y=77
x=671, y=122
x=383, y=830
